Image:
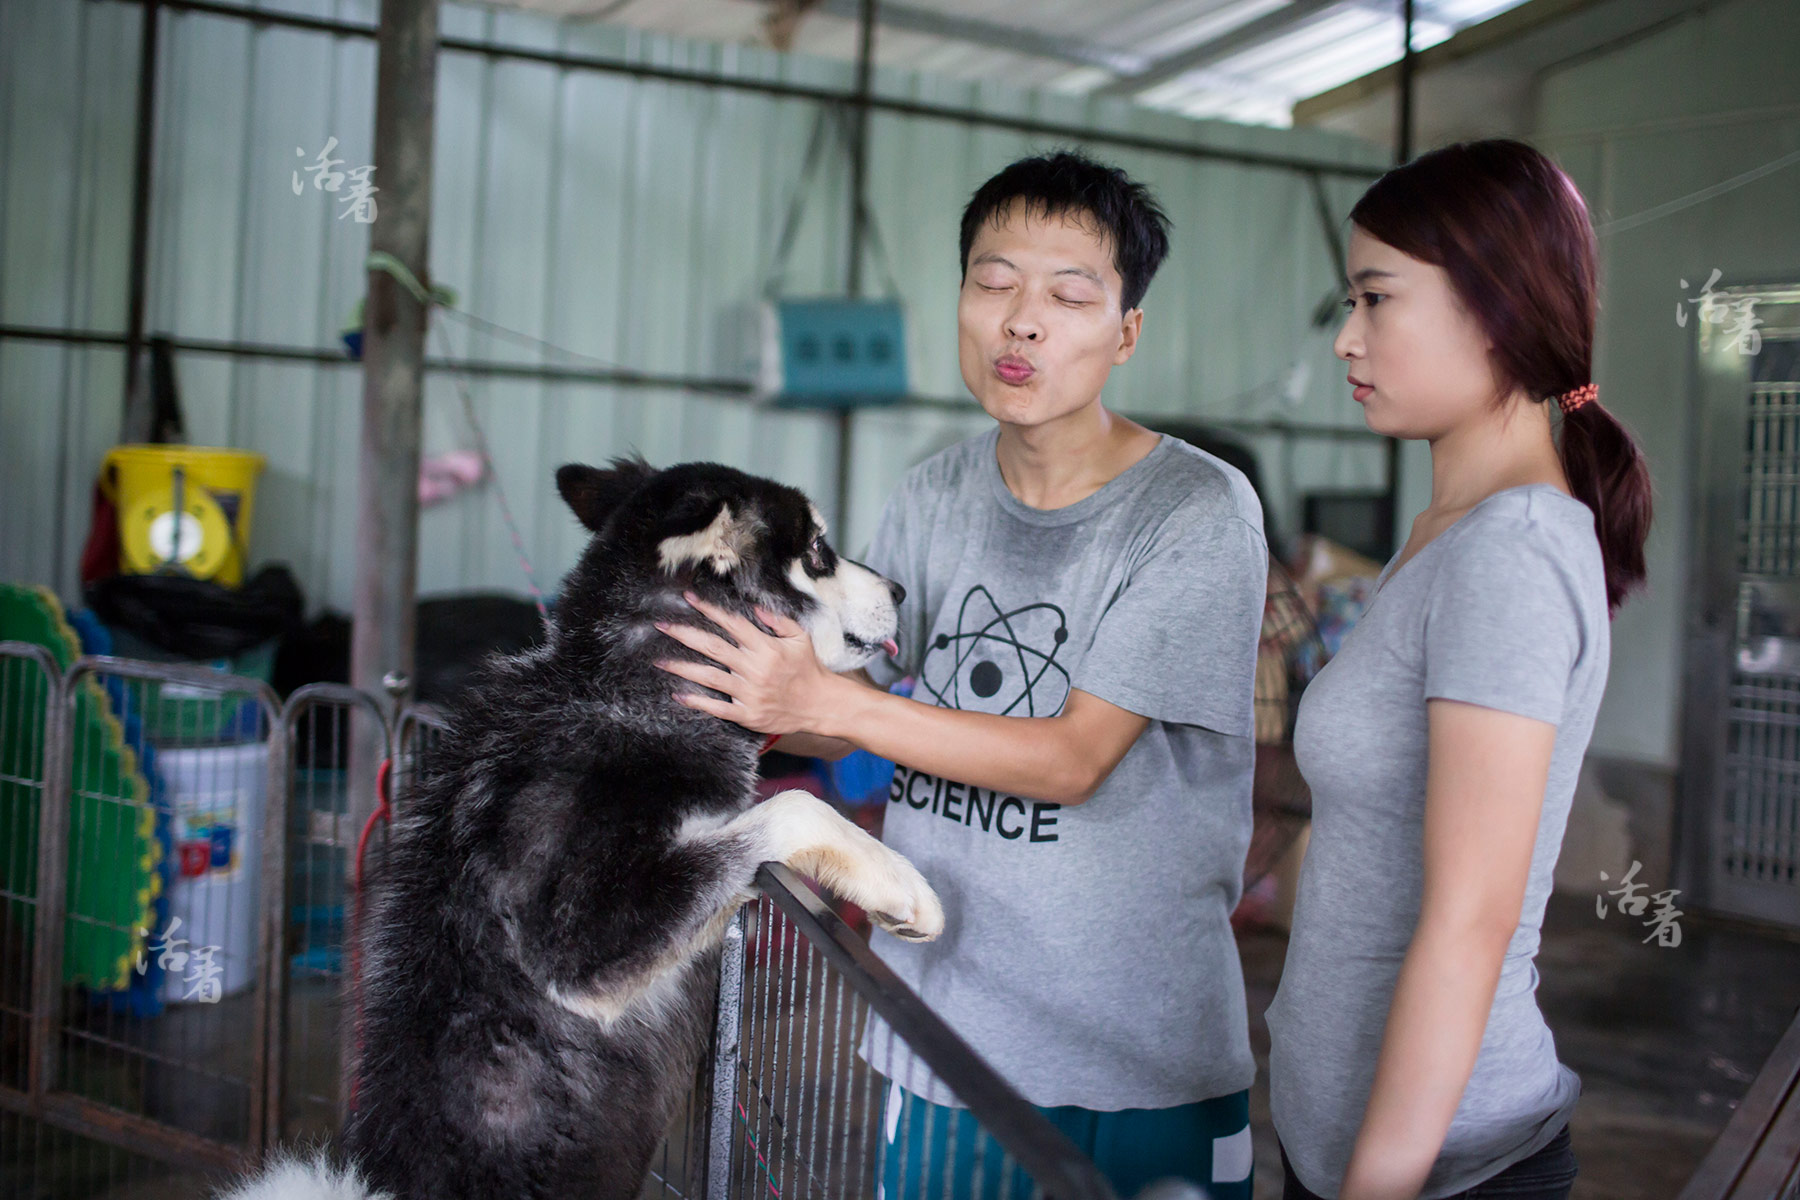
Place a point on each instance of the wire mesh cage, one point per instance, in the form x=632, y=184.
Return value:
x=164, y=1011
x=678, y=1169
x=45, y=1160
x=337, y=738
x=180, y=868
x=823, y=1090
x=141, y=820
x=418, y=733
x=27, y=679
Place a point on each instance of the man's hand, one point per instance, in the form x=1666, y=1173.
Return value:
x=776, y=684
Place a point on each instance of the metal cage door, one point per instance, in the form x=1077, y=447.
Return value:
x=1740, y=825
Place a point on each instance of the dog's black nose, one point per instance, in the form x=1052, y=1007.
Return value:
x=898, y=591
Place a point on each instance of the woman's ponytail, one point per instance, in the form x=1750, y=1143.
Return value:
x=1607, y=472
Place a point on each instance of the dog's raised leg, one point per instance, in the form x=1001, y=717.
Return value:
x=799, y=829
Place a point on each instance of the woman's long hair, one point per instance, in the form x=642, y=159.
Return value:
x=1512, y=233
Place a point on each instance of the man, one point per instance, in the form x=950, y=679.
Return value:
x=1084, y=598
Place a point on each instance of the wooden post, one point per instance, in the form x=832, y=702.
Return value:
x=859, y=170
x=394, y=348
x=394, y=326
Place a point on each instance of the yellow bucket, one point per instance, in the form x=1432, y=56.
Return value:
x=182, y=509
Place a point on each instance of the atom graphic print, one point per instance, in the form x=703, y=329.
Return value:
x=999, y=660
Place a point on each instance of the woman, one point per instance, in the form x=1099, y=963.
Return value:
x=1442, y=744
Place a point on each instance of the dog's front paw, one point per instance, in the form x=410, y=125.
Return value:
x=913, y=912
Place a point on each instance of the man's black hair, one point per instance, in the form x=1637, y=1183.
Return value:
x=1068, y=182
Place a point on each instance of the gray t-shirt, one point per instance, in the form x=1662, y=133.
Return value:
x=1088, y=953
x=1505, y=609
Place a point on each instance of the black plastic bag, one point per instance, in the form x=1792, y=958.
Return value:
x=197, y=618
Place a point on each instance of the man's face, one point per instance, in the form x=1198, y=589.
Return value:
x=1039, y=325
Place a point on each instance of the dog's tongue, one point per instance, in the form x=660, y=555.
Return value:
x=892, y=647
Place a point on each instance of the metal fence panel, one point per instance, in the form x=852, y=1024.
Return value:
x=28, y=683
x=149, y=800
x=835, y=1053
x=40, y=1160
x=161, y=1008
x=330, y=783
x=419, y=731
x=45, y=1159
x=678, y=1169
x=137, y=1048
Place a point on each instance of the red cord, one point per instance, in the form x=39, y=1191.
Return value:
x=769, y=741
x=384, y=811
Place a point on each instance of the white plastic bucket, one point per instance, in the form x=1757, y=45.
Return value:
x=216, y=795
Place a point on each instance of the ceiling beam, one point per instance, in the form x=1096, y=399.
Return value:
x=1014, y=38
x=1214, y=50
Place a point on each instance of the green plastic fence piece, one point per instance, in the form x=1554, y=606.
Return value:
x=114, y=854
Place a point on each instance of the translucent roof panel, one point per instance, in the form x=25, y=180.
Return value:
x=1243, y=60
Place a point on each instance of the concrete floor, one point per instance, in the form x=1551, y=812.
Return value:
x=1666, y=1039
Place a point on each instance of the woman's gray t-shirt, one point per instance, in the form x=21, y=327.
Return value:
x=1505, y=609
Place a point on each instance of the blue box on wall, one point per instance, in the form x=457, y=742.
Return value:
x=833, y=352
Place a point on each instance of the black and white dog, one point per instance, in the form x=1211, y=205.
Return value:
x=540, y=955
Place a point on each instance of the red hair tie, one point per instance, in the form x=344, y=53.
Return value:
x=1576, y=397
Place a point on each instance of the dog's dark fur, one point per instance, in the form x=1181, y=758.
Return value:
x=540, y=956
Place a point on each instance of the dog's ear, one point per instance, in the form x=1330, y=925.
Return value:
x=594, y=493
x=710, y=535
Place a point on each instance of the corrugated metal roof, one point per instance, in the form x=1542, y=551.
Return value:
x=1240, y=60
